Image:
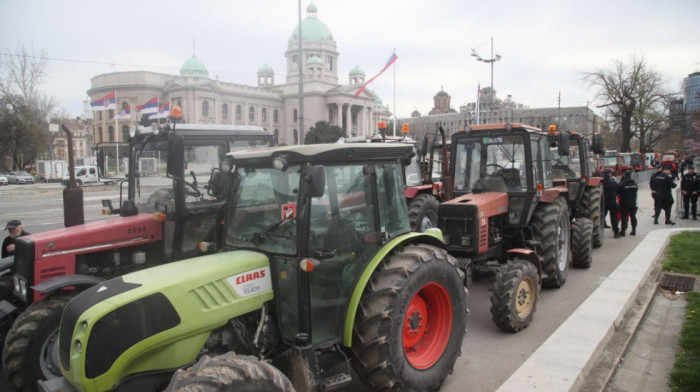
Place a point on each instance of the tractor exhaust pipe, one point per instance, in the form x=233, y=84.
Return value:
x=73, y=214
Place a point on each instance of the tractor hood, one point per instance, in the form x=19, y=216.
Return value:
x=158, y=318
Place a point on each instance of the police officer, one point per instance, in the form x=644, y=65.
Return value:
x=662, y=184
x=628, y=202
x=610, y=195
x=659, y=170
x=690, y=187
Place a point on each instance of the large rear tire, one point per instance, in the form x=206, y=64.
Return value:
x=592, y=201
x=514, y=296
x=423, y=212
x=411, y=321
x=550, y=227
x=230, y=372
x=582, y=243
x=31, y=346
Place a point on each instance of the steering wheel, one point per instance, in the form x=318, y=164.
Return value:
x=191, y=190
x=497, y=165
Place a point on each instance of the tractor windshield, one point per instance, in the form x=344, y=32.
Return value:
x=263, y=214
x=484, y=161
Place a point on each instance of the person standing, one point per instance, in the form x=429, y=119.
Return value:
x=14, y=227
x=659, y=170
x=662, y=184
x=610, y=195
x=628, y=202
x=690, y=187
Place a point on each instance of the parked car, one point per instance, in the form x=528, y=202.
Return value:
x=3, y=179
x=20, y=177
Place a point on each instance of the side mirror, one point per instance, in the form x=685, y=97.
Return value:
x=216, y=183
x=424, y=147
x=597, y=144
x=176, y=152
x=315, y=177
x=563, y=143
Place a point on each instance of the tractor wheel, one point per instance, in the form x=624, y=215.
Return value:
x=411, y=320
x=229, y=372
x=31, y=346
x=550, y=227
x=592, y=201
x=514, y=295
x=423, y=212
x=582, y=243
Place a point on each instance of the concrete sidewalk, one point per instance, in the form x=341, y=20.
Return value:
x=583, y=353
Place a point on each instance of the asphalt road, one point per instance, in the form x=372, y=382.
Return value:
x=488, y=357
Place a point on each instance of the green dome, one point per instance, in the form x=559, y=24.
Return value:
x=194, y=67
x=378, y=102
x=312, y=28
x=357, y=71
x=314, y=60
x=265, y=69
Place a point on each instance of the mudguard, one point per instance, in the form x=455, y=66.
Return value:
x=432, y=236
x=67, y=281
x=201, y=294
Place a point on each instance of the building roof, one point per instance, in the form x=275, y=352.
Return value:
x=194, y=67
x=265, y=69
x=312, y=28
x=357, y=70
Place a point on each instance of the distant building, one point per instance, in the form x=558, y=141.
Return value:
x=275, y=107
x=493, y=110
x=691, y=92
x=82, y=140
x=441, y=104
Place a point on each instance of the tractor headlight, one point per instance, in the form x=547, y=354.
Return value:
x=23, y=288
x=15, y=281
x=515, y=209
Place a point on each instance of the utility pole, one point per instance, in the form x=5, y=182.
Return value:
x=301, y=84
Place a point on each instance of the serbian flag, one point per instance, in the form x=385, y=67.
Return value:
x=388, y=64
x=107, y=102
x=163, y=112
x=149, y=107
x=124, y=114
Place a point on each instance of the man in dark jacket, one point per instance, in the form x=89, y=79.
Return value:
x=14, y=227
x=659, y=170
x=662, y=184
x=628, y=202
x=610, y=195
x=690, y=187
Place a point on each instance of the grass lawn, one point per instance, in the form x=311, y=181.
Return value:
x=683, y=256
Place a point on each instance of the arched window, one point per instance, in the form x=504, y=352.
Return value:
x=296, y=136
x=239, y=112
x=110, y=131
x=125, y=133
x=224, y=111
x=251, y=114
x=99, y=132
x=205, y=109
x=263, y=115
x=276, y=116
x=276, y=137
x=124, y=105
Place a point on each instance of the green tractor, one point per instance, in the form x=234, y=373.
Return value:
x=319, y=273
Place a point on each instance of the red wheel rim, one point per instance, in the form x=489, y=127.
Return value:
x=427, y=324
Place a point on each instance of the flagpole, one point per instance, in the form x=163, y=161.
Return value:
x=394, y=95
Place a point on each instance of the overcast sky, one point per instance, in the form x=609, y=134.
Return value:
x=545, y=45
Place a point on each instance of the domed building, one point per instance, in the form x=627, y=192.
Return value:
x=275, y=107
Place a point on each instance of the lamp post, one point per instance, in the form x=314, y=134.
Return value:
x=488, y=61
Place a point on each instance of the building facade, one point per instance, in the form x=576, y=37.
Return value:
x=275, y=107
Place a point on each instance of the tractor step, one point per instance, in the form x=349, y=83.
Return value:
x=336, y=381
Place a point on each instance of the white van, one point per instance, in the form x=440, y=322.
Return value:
x=83, y=175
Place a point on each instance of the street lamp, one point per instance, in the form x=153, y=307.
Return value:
x=491, y=60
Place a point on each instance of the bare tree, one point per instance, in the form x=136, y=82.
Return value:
x=622, y=91
x=23, y=128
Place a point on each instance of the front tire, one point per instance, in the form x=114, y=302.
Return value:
x=31, y=346
x=423, y=212
x=411, y=320
x=230, y=372
x=550, y=227
x=515, y=295
x=582, y=243
x=593, y=202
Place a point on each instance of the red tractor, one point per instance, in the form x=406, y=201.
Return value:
x=508, y=217
x=167, y=212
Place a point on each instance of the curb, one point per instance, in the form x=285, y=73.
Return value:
x=569, y=356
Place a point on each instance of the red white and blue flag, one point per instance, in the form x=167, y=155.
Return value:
x=124, y=114
x=163, y=112
x=388, y=64
x=107, y=102
x=149, y=107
